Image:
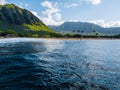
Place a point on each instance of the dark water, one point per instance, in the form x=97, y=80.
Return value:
x=39, y=64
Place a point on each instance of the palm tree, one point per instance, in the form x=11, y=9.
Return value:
x=82, y=33
x=97, y=33
x=94, y=31
x=73, y=30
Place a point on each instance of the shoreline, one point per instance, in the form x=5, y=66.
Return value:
x=62, y=38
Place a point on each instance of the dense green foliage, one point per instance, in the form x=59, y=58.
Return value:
x=12, y=14
x=20, y=22
x=96, y=35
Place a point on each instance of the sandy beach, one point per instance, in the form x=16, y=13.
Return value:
x=63, y=38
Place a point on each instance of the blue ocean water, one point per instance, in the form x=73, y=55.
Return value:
x=49, y=64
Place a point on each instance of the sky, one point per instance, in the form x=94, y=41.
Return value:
x=105, y=13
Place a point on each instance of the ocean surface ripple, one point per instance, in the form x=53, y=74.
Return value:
x=48, y=64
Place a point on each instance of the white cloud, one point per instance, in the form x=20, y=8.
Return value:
x=93, y=2
x=73, y=5
x=2, y=2
x=115, y=24
x=106, y=24
x=52, y=15
x=57, y=16
x=74, y=21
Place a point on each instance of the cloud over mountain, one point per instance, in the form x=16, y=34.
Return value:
x=94, y=2
x=52, y=13
x=2, y=2
x=106, y=24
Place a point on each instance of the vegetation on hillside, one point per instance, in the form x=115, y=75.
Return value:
x=18, y=22
x=21, y=22
x=13, y=14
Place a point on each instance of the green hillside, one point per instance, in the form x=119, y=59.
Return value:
x=21, y=22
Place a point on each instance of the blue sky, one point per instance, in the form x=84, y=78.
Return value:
x=103, y=12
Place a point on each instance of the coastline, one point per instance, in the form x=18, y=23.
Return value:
x=62, y=38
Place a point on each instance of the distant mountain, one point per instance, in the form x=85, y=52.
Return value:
x=21, y=21
x=84, y=27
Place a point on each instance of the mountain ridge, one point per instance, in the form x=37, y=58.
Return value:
x=21, y=21
x=86, y=27
x=12, y=14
